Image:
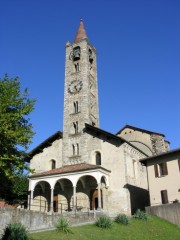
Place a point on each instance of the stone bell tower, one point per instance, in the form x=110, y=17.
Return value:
x=80, y=97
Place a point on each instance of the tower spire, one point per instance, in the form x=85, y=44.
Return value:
x=81, y=32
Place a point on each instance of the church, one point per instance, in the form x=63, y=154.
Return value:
x=84, y=167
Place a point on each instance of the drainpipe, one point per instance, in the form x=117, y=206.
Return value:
x=147, y=182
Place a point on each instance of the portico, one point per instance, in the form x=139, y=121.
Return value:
x=70, y=188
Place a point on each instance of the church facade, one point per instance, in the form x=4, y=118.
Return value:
x=84, y=167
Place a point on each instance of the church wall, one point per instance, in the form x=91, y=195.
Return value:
x=42, y=161
x=150, y=144
x=136, y=179
x=136, y=173
x=128, y=188
x=93, y=146
x=137, y=138
x=118, y=196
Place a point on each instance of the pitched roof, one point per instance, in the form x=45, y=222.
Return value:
x=81, y=33
x=171, y=153
x=46, y=143
x=109, y=136
x=139, y=129
x=69, y=169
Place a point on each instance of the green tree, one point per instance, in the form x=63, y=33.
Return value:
x=15, y=127
x=19, y=185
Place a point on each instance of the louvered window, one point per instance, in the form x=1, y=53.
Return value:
x=156, y=170
x=164, y=196
x=160, y=169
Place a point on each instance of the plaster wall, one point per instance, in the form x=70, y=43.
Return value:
x=139, y=139
x=42, y=161
x=170, y=182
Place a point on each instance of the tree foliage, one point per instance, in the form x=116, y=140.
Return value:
x=15, y=189
x=15, y=127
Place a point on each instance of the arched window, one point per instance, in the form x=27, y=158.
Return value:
x=53, y=164
x=75, y=124
x=76, y=107
x=98, y=158
x=76, y=67
x=73, y=147
x=77, y=148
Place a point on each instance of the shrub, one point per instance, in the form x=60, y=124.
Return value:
x=123, y=219
x=15, y=231
x=140, y=215
x=62, y=225
x=104, y=222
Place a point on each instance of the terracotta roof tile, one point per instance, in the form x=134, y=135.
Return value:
x=68, y=169
x=81, y=33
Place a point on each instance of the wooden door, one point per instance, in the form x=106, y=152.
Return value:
x=55, y=203
x=94, y=199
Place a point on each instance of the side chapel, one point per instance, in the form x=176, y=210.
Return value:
x=85, y=167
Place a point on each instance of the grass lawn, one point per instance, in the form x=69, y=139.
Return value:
x=153, y=229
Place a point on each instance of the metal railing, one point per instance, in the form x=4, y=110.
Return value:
x=59, y=207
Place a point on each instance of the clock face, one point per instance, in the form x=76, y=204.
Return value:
x=75, y=86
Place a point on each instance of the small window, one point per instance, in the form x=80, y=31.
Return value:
x=76, y=107
x=76, y=53
x=76, y=65
x=156, y=170
x=98, y=158
x=73, y=148
x=53, y=164
x=90, y=56
x=75, y=124
x=163, y=169
x=160, y=170
x=164, y=196
x=77, y=148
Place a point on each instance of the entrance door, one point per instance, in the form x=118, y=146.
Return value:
x=55, y=203
x=94, y=199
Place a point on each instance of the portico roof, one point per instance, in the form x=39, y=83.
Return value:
x=69, y=169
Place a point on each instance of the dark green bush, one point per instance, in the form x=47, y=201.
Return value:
x=62, y=225
x=140, y=215
x=15, y=231
x=123, y=219
x=104, y=222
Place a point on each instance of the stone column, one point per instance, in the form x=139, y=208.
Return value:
x=52, y=199
x=31, y=199
x=74, y=197
x=99, y=195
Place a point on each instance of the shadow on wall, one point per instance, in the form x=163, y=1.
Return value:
x=139, y=198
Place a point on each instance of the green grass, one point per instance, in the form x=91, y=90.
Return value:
x=153, y=229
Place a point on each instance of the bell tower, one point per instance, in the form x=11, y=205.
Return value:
x=80, y=97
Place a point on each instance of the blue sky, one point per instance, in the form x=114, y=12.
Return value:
x=138, y=47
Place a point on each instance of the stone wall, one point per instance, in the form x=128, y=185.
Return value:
x=37, y=221
x=41, y=162
x=169, y=212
